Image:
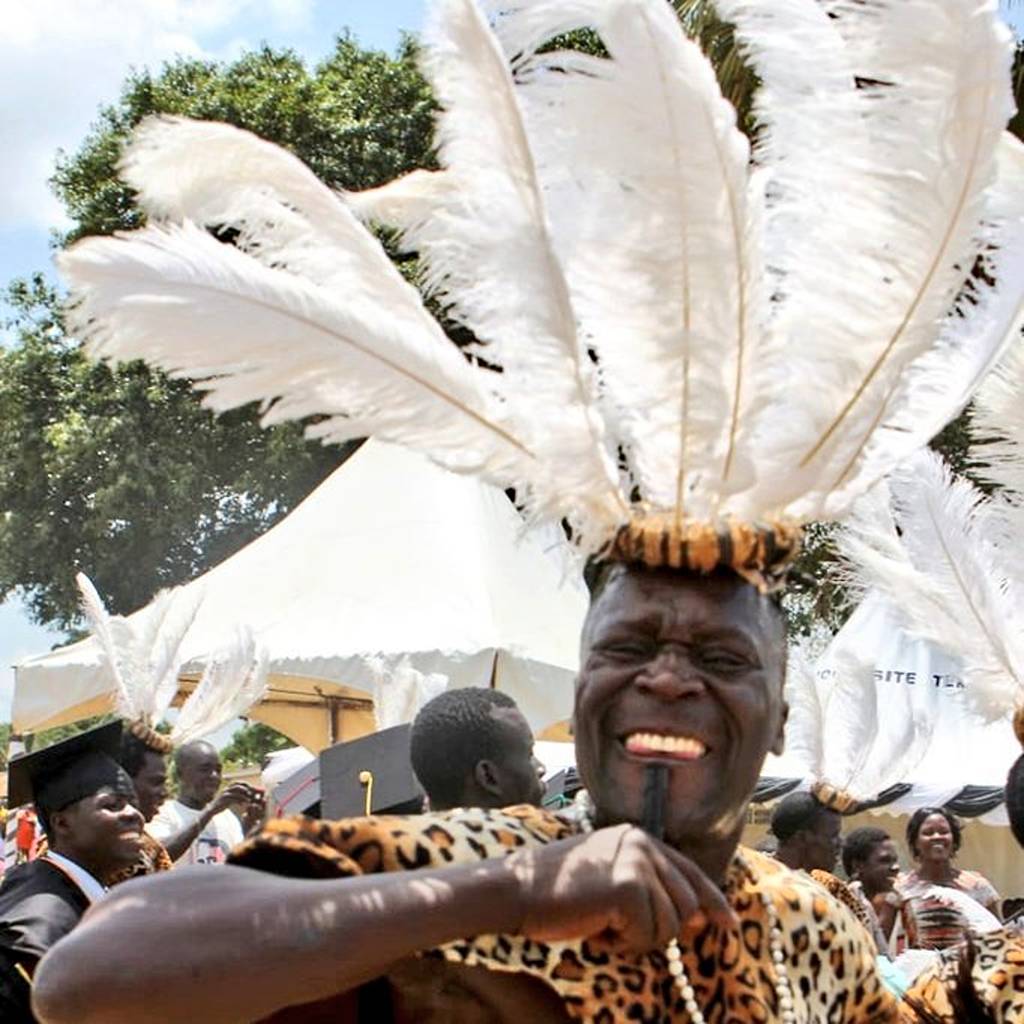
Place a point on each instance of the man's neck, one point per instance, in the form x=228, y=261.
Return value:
x=791, y=858
x=713, y=856
x=190, y=800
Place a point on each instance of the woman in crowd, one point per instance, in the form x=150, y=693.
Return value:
x=982, y=981
x=872, y=864
x=941, y=901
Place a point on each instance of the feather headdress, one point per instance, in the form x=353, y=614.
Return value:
x=833, y=724
x=145, y=663
x=688, y=349
x=947, y=559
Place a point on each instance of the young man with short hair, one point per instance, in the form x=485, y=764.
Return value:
x=473, y=747
x=85, y=804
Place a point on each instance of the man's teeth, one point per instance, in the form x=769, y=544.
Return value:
x=652, y=742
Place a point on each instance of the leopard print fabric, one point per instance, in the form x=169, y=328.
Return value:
x=840, y=891
x=997, y=976
x=152, y=858
x=830, y=966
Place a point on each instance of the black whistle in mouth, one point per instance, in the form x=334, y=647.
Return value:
x=655, y=798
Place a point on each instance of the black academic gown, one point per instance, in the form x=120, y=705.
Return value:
x=39, y=904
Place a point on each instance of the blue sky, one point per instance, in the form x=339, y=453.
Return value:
x=60, y=60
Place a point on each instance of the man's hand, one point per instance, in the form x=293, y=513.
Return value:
x=255, y=811
x=238, y=794
x=618, y=888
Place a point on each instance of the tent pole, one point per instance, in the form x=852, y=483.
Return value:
x=334, y=721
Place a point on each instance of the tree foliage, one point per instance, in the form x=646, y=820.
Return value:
x=119, y=471
x=251, y=744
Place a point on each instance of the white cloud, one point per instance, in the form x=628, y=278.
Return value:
x=60, y=61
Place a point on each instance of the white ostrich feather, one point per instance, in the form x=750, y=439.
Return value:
x=998, y=425
x=233, y=680
x=805, y=724
x=405, y=202
x=938, y=385
x=248, y=332
x=284, y=215
x=664, y=252
x=490, y=254
x=145, y=660
x=933, y=132
x=945, y=575
x=400, y=692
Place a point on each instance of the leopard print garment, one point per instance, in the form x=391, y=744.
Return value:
x=831, y=966
x=840, y=891
x=998, y=978
x=152, y=858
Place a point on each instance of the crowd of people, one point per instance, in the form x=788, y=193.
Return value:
x=102, y=800
x=935, y=904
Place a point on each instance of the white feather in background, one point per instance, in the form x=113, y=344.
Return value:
x=945, y=575
x=400, y=691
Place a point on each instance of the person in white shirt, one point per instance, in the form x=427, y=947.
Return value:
x=199, y=827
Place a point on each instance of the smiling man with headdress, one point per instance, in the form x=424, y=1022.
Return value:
x=696, y=357
x=144, y=660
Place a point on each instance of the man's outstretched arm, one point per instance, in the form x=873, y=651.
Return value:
x=228, y=945
x=232, y=944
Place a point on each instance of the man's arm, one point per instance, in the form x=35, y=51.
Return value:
x=177, y=843
x=235, y=945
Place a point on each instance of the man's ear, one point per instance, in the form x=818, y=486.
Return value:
x=779, y=744
x=60, y=825
x=486, y=776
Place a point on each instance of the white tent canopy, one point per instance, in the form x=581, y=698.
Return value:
x=389, y=556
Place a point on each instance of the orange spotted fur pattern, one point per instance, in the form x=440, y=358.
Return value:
x=759, y=552
x=839, y=890
x=152, y=858
x=997, y=976
x=831, y=964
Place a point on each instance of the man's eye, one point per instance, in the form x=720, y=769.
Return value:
x=724, y=661
x=627, y=649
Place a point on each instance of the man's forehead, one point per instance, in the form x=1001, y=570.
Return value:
x=644, y=598
x=512, y=717
x=199, y=755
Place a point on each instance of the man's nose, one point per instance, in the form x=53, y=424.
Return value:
x=670, y=675
x=130, y=814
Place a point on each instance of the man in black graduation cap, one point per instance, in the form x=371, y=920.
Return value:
x=84, y=800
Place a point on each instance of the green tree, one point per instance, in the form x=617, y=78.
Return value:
x=251, y=744
x=118, y=471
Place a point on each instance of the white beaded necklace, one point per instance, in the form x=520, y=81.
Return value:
x=674, y=955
